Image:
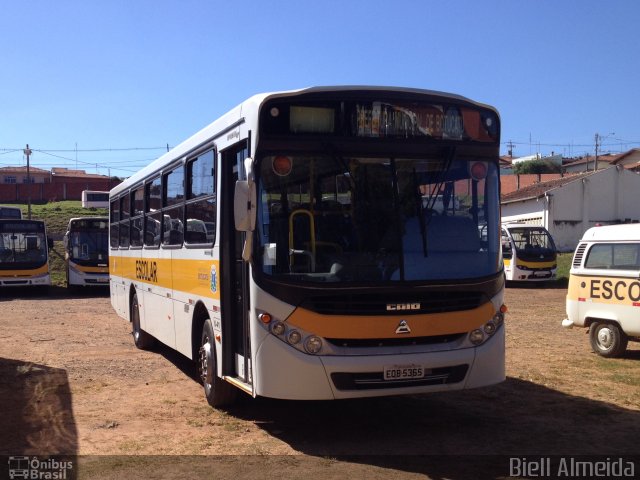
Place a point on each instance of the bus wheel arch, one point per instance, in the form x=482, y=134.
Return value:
x=141, y=339
x=607, y=338
x=200, y=315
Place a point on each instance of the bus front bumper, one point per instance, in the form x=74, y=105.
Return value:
x=287, y=373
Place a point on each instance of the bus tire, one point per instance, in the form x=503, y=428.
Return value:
x=218, y=392
x=607, y=339
x=141, y=339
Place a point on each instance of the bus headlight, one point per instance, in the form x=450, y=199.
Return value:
x=490, y=328
x=313, y=344
x=294, y=337
x=277, y=328
x=476, y=336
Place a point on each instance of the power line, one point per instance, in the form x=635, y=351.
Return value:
x=72, y=150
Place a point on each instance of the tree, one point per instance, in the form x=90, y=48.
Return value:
x=535, y=166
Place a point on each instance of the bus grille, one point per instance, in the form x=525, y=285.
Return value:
x=394, y=342
x=375, y=380
x=379, y=303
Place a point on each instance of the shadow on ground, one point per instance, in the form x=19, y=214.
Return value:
x=37, y=413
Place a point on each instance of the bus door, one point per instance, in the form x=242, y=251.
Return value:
x=236, y=350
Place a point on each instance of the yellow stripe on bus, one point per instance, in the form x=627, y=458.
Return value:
x=198, y=277
x=43, y=270
x=612, y=290
x=361, y=327
x=522, y=263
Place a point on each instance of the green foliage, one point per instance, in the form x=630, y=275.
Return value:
x=56, y=215
x=564, y=265
x=535, y=166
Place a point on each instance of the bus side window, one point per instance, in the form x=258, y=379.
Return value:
x=201, y=200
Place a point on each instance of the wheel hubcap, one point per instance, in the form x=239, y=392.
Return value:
x=206, y=367
x=605, y=337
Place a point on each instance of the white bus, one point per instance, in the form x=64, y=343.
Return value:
x=24, y=253
x=529, y=253
x=86, y=245
x=95, y=199
x=289, y=251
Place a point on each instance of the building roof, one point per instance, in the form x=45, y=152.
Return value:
x=65, y=172
x=538, y=190
x=505, y=161
x=608, y=157
x=628, y=166
x=624, y=155
x=21, y=170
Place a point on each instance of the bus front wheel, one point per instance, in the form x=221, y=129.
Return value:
x=141, y=339
x=607, y=339
x=218, y=392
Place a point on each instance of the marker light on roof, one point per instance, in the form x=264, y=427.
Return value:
x=479, y=170
x=282, y=165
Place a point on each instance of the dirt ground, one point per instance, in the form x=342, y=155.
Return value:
x=71, y=382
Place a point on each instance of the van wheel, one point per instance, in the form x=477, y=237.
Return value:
x=141, y=339
x=218, y=392
x=607, y=339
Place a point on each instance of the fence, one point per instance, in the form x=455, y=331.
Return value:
x=51, y=192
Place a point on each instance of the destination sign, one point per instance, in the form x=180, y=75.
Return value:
x=382, y=119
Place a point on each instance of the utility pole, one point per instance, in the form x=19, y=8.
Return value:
x=599, y=138
x=595, y=166
x=511, y=147
x=27, y=152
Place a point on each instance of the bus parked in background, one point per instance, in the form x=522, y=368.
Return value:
x=12, y=213
x=86, y=245
x=24, y=253
x=95, y=199
x=604, y=288
x=529, y=253
x=321, y=244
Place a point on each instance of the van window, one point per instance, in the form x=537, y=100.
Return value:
x=618, y=256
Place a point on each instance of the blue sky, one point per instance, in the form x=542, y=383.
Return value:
x=128, y=76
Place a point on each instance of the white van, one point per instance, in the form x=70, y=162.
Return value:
x=604, y=288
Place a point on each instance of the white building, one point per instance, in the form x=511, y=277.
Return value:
x=568, y=206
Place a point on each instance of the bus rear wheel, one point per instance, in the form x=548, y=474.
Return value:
x=218, y=392
x=141, y=339
x=607, y=339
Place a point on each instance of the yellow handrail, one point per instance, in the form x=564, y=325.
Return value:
x=312, y=231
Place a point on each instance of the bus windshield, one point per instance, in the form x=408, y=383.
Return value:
x=327, y=218
x=22, y=249
x=89, y=242
x=532, y=240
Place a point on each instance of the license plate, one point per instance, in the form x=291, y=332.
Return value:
x=541, y=274
x=403, y=372
x=102, y=280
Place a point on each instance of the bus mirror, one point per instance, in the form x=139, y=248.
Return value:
x=65, y=241
x=50, y=243
x=244, y=206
